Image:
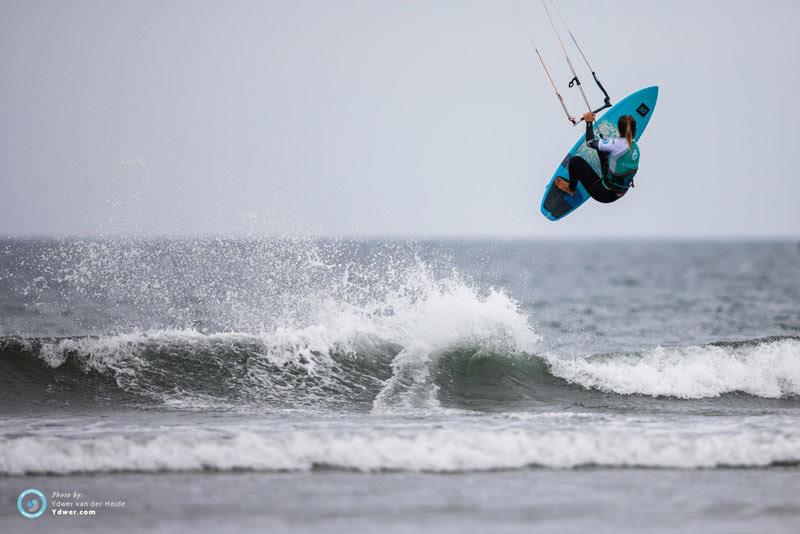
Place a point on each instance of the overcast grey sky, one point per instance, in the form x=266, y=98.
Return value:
x=373, y=117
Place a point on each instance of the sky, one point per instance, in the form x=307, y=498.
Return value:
x=388, y=118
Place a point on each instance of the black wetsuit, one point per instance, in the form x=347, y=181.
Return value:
x=580, y=170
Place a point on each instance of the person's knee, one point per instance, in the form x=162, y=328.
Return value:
x=575, y=163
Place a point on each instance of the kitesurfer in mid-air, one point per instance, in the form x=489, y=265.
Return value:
x=619, y=161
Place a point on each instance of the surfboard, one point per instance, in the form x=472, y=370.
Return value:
x=555, y=203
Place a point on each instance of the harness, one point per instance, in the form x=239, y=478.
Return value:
x=621, y=179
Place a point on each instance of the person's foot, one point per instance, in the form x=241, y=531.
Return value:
x=563, y=185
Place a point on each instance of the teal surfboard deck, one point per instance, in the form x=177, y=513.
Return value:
x=555, y=203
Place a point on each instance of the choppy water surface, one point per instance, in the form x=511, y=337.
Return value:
x=295, y=356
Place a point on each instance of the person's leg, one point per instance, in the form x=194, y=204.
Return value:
x=581, y=171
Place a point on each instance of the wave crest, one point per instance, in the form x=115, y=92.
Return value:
x=768, y=368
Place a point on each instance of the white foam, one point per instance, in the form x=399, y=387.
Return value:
x=434, y=450
x=769, y=369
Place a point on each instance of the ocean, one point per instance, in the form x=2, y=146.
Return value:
x=307, y=385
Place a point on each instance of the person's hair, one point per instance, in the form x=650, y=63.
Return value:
x=627, y=129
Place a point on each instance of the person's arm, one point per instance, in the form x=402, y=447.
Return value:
x=588, y=118
x=602, y=145
x=590, y=139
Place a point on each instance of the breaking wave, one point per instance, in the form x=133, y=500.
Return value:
x=383, y=354
x=385, y=334
x=480, y=359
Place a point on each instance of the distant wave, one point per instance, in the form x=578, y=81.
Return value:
x=434, y=450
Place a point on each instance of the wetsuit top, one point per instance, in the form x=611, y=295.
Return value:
x=614, y=153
